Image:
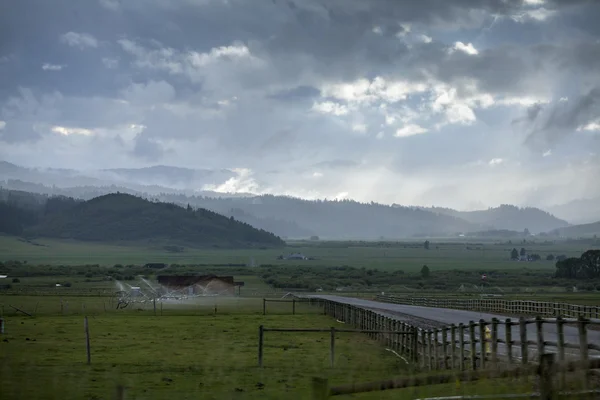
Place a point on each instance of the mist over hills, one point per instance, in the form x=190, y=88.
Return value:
x=153, y=180
x=283, y=215
x=344, y=219
x=507, y=217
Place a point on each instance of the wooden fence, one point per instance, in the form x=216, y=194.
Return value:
x=515, y=307
x=546, y=370
x=292, y=301
x=332, y=331
x=460, y=346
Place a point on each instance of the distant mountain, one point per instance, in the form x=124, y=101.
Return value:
x=282, y=215
x=126, y=218
x=343, y=219
x=582, y=211
x=152, y=180
x=579, y=231
x=507, y=217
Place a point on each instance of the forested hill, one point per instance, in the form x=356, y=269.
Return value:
x=123, y=217
x=332, y=219
x=583, y=230
x=507, y=217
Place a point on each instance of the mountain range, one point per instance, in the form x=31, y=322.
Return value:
x=285, y=216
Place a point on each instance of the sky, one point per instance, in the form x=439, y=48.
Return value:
x=454, y=103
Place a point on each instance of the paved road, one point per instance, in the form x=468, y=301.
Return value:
x=448, y=316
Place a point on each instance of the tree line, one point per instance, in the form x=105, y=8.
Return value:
x=585, y=267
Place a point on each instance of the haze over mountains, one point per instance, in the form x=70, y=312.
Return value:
x=285, y=216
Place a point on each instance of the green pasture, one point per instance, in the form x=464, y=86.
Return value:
x=191, y=354
x=406, y=256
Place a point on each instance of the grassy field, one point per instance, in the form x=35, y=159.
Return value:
x=409, y=256
x=191, y=354
x=208, y=348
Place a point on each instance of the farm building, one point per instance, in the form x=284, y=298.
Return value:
x=200, y=284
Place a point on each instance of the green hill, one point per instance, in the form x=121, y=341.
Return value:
x=122, y=217
x=576, y=231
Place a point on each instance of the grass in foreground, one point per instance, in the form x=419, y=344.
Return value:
x=192, y=354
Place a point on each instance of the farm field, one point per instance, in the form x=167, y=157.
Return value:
x=406, y=256
x=191, y=354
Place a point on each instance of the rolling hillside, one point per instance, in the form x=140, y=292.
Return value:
x=122, y=218
x=576, y=231
x=508, y=217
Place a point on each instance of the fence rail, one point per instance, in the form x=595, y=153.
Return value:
x=515, y=307
x=332, y=331
x=546, y=370
x=475, y=345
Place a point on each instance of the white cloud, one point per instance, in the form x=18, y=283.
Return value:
x=242, y=183
x=110, y=63
x=591, y=127
x=52, y=67
x=359, y=128
x=467, y=48
x=66, y=131
x=80, y=40
x=537, y=15
x=2, y=125
x=233, y=53
x=547, y=153
x=377, y=30
x=534, y=2
x=425, y=38
x=410, y=130
x=379, y=89
x=317, y=174
x=329, y=107
x=496, y=161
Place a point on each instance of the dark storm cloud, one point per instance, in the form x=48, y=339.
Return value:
x=298, y=93
x=553, y=123
x=19, y=131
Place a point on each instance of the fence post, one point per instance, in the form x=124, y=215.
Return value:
x=583, y=347
x=415, y=345
x=293, y=306
x=546, y=376
x=261, y=333
x=472, y=340
x=445, y=346
x=461, y=350
x=430, y=348
x=264, y=306
x=320, y=388
x=332, y=346
x=453, y=346
x=523, y=340
x=539, y=324
x=560, y=329
x=484, y=345
x=494, y=344
x=87, y=340
x=436, y=348
x=508, y=339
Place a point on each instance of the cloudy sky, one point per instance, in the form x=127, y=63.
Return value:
x=455, y=103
